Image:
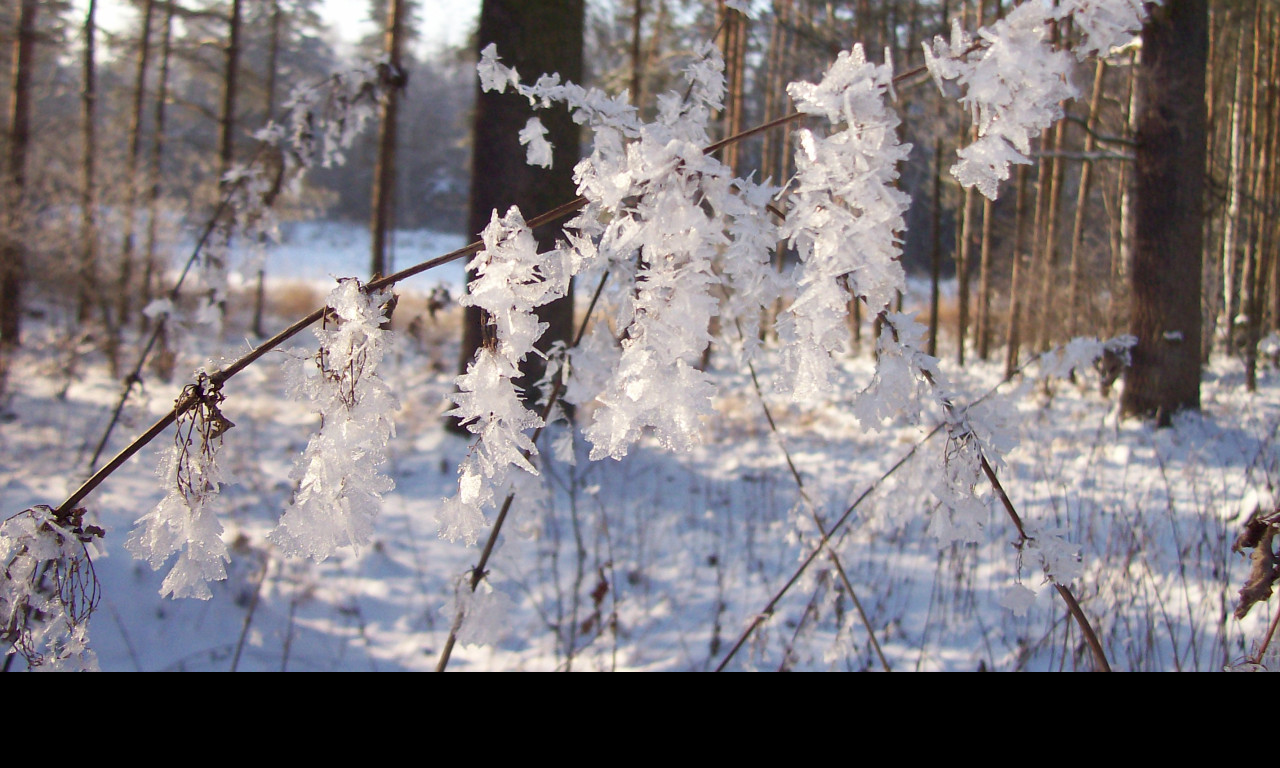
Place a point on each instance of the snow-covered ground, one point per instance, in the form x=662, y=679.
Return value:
x=660, y=561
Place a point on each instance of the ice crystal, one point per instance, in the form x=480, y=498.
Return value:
x=512, y=280
x=845, y=218
x=340, y=486
x=1014, y=82
x=47, y=589
x=184, y=522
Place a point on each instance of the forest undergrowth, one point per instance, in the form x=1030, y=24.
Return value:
x=661, y=561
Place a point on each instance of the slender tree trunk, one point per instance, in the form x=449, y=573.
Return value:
x=124, y=302
x=273, y=61
x=1212, y=265
x=964, y=249
x=733, y=44
x=385, y=173
x=12, y=246
x=1256, y=251
x=1050, y=315
x=637, y=63
x=1231, y=223
x=1015, y=280
x=1122, y=241
x=154, y=187
x=935, y=252
x=984, y=281
x=1169, y=197
x=89, y=196
x=1075, y=268
x=227, y=124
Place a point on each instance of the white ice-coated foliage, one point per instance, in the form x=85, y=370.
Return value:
x=1103, y=25
x=1014, y=82
x=684, y=238
x=1082, y=353
x=325, y=118
x=340, y=486
x=512, y=280
x=185, y=521
x=47, y=591
x=484, y=611
x=845, y=218
x=905, y=376
x=534, y=136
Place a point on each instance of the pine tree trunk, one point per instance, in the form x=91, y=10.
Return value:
x=231, y=74
x=637, y=62
x=1256, y=251
x=154, y=188
x=1075, y=324
x=1051, y=315
x=12, y=247
x=984, y=281
x=1168, y=207
x=124, y=302
x=1231, y=222
x=533, y=37
x=89, y=196
x=269, y=110
x=935, y=252
x=1014, y=331
x=385, y=172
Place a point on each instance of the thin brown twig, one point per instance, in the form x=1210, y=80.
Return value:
x=813, y=512
x=1091, y=637
x=1266, y=641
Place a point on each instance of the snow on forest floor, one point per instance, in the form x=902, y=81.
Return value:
x=659, y=561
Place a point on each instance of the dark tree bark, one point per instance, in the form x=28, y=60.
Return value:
x=534, y=37
x=89, y=196
x=1168, y=213
x=226, y=137
x=269, y=109
x=12, y=249
x=384, y=178
x=155, y=159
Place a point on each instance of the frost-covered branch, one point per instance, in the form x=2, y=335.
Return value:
x=48, y=589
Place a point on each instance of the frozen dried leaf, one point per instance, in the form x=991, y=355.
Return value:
x=1262, y=574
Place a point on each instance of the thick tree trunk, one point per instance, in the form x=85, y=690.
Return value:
x=1168, y=211
x=12, y=247
x=533, y=37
